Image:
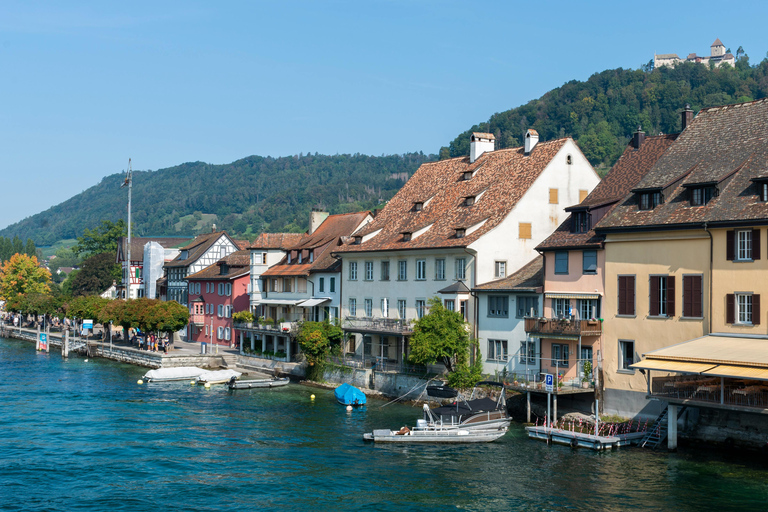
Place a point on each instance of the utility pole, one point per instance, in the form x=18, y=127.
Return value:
x=129, y=183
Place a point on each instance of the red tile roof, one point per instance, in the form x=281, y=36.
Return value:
x=276, y=240
x=503, y=176
x=236, y=264
x=530, y=278
x=196, y=248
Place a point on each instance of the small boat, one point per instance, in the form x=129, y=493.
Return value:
x=441, y=391
x=430, y=431
x=474, y=413
x=178, y=373
x=257, y=383
x=218, y=377
x=347, y=394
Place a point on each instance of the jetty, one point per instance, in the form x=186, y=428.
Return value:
x=583, y=440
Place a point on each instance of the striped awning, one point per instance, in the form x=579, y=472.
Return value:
x=313, y=302
x=571, y=295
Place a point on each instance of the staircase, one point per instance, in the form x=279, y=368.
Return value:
x=657, y=433
x=230, y=360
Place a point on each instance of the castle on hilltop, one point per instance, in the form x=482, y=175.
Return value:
x=717, y=55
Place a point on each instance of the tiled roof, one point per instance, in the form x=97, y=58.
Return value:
x=196, y=248
x=530, y=278
x=276, y=240
x=237, y=264
x=726, y=146
x=483, y=135
x=326, y=238
x=717, y=42
x=138, y=243
x=667, y=56
x=502, y=176
x=620, y=180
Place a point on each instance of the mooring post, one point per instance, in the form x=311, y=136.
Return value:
x=65, y=344
x=48, y=339
x=37, y=339
x=672, y=427
x=554, y=406
x=528, y=406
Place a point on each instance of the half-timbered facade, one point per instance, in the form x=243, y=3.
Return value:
x=133, y=284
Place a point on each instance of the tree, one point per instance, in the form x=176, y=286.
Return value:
x=97, y=273
x=101, y=239
x=21, y=275
x=315, y=340
x=439, y=336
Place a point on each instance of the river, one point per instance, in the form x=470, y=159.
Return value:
x=77, y=435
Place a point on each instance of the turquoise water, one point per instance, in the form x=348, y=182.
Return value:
x=84, y=436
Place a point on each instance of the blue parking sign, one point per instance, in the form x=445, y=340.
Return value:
x=549, y=381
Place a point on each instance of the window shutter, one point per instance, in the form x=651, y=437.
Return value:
x=654, y=306
x=688, y=296
x=756, y=309
x=698, y=309
x=730, y=245
x=730, y=308
x=631, y=295
x=671, y=296
x=755, y=244
x=622, y=295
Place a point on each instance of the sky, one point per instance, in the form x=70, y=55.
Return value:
x=84, y=86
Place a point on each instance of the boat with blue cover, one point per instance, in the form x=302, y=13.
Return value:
x=347, y=394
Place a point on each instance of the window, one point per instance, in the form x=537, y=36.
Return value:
x=385, y=308
x=439, y=269
x=401, y=309
x=497, y=350
x=301, y=285
x=626, y=355
x=463, y=308
x=588, y=308
x=744, y=305
x=580, y=222
x=561, y=307
x=228, y=289
x=352, y=307
x=662, y=296
x=402, y=270
x=353, y=271
x=287, y=284
x=527, y=306
x=406, y=237
x=500, y=269
x=469, y=200
x=561, y=262
x=460, y=269
x=333, y=284
x=528, y=352
x=227, y=333
x=421, y=270
x=220, y=310
x=524, y=230
x=692, y=297
x=763, y=191
x=385, y=271
x=220, y=333
x=368, y=307
x=321, y=285
x=421, y=306
x=449, y=304
x=498, y=306
x=742, y=308
x=743, y=245
x=589, y=262
x=649, y=200
x=220, y=289
x=369, y=271
x=701, y=195
x=312, y=257
x=553, y=196
x=626, y=295
x=418, y=206
x=559, y=355
x=207, y=287
x=467, y=175
x=460, y=232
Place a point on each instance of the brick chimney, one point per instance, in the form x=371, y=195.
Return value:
x=638, y=138
x=479, y=143
x=687, y=115
x=531, y=139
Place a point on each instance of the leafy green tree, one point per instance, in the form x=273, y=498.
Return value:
x=315, y=340
x=96, y=274
x=22, y=275
x=101, y=239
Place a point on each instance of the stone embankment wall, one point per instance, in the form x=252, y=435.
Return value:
x=389, y=384
x=730, y=428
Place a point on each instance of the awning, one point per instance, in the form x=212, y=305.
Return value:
x=571, y=295
x=672, y=366
x=278, y=302
x=741, y=372
x=313, y=302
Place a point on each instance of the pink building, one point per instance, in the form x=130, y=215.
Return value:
x=215, y=293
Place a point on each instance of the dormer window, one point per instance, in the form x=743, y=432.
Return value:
x=581, y=222
x=301, y=256
x=311, y=255
x=460, y=232
x=649, y=200
x=406, y=236
x=289, y=257
x=418, y=206
x=469, y=200
x=224, y=269
x=701, y=195
x=763, y=191
x=467, y=176
x=184, y=255
x=357, y=240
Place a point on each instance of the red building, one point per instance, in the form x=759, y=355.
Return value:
x=215, y=293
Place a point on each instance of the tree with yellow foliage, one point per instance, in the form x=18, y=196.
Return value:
x=22, y=275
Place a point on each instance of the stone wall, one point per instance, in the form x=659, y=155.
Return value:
x=387, y=383
x=731, y=428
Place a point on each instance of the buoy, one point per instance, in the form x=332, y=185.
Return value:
x=207, y=384
x=86, y=360
x=192, y=382
x=311, y=397
x=349, y=408
x=139, y=381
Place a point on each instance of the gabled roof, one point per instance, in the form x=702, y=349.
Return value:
x=717, y=42
x=530, y=278
x=196, y=248
x=276, y=240
x=326, y=238
x=234, y=265
x=503, y=176
x=723, y=146
x=625, y=174
x=138, y=243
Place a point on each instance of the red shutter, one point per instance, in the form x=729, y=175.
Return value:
x=688, y=296
x=696, y=297
x=755, y=244
x=670, y=296
x=756, y=309
x=653, y=299
x=730, y=308
x=730, y=246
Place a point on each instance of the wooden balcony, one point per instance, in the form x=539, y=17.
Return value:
x=563, y=326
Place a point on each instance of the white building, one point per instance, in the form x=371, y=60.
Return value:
x=717, y=56
x=137, y=276
x=455, y=224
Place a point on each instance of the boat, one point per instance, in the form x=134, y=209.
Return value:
x=178, y=373
x=475, y=412
x=257, y=383
x=218, y=376
x=427, y=431
x=346, y=394
x=441, y=391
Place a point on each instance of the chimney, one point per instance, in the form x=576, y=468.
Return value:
x=531, y=139
x=638, y=137
x=479, y=143
x=213, y=228
x=316, y=217
x=687, y=116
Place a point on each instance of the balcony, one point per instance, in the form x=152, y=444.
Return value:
x=197, y=319
x=563, y=326
x=726, y=393
x=285, y=328
x=377, y=325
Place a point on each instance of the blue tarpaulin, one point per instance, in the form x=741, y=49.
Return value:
x=349, y=395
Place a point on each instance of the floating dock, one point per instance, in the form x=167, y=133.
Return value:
x=582, y=440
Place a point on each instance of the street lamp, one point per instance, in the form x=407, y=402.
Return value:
x=129, y=182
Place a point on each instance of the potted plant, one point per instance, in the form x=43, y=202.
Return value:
x=587, y=369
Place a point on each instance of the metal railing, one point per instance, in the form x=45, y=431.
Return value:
x=740, y=393
x=371, y=324
x=566, y=326
x=379, y=364
x=569, y=374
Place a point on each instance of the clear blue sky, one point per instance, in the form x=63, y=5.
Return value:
x=86, y=85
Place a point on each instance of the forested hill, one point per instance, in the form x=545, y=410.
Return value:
x=246, y=197
x=603, y=112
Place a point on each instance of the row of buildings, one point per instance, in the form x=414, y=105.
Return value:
x=644, y=284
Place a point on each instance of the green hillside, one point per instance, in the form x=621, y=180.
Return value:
x=246, y=197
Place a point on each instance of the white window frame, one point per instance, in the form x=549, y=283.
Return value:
x=421, y=308
x=369, y=271
x=461, y=269
x=384, y=307
x=421, y=270
x=220, y=310
x=220, y=332
x=498, y=350
x=440, y=269
x=623, y=345
x=402, y=270
x=561, y=308
x=384, y=271
x=352, y=306
x=500, y=269
x=353, y=271
x=368, y=305
x=743, y=245
x=743, y=308
x=402, y=308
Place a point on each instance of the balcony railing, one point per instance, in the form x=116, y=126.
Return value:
x=728, y=392
x=276, y=328
x=382, y=325
x=197, y=319
x=566, y=326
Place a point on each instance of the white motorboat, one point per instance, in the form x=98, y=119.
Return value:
x=477, y=412
x=258, y=383
x=218, y=377
x=178, y=373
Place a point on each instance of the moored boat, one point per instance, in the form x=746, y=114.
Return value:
x=218, y=377
x=476, y=412
x=178, y=373
x=258, y=383
x=346, y=394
